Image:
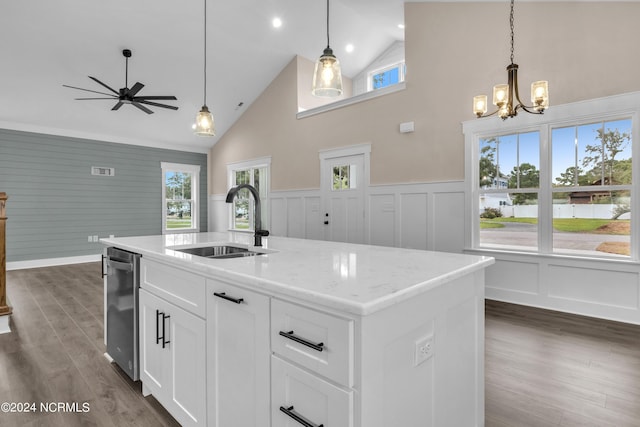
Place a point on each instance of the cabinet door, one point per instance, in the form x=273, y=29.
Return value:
x=300, y=398
x=154, y=360
x=238, y=362
x=174, y=373
x=188, y=367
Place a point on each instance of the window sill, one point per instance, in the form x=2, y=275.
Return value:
x=353, y=100
x=498, y=253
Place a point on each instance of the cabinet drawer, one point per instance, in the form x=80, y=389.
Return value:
x=180, y=287
x=301, y=394
x=316, y=340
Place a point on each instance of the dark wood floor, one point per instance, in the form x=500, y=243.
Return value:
x=55, y=354
x=543, y=368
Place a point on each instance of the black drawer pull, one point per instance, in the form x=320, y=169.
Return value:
x=232, y=299
x=318, y=347
x=298, y=418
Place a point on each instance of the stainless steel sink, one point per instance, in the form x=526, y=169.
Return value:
x=219, y=251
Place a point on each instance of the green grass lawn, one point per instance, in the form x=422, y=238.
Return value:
x=184, y=222
x=572, y=225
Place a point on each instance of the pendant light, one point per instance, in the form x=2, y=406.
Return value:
x=505, y=94
x=205, y=125
x=327, y=77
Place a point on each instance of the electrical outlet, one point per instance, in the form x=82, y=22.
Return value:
x=90, y=239
x=424, y=349
x=95, y=239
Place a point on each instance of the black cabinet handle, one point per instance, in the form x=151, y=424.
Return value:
x=164, y=317
x=223, y=295
x=291, y=336
x=306, y=423
x=157, y=327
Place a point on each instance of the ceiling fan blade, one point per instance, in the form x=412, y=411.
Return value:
x=142, y=98
x=155, y=104
x=117, y=106
x=135, y=89
x=142, y=107
x=88, y=90
x=85, y=99
x=99, y=82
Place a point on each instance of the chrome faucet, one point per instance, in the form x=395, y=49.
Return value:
x=259, y=232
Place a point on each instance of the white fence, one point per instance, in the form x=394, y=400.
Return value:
x=564, y=211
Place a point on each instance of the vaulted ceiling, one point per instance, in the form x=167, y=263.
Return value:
x=47, y=43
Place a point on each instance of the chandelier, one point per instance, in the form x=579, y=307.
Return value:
x=504, y=95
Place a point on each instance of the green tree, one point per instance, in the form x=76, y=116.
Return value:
x=602, y=156
x=524, y=176
x=487, y=164
x=573, y=176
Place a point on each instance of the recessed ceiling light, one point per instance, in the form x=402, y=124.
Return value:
x=349, y=48
x=277, y=22
x=401, y=26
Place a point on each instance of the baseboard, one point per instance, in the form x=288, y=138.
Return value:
x=50, y=262
x=4, y=324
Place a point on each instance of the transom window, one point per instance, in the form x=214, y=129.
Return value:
x=563, y=186
x=180, y=190
x=387, y=76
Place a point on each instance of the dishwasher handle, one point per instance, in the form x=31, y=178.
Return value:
x=119, y=265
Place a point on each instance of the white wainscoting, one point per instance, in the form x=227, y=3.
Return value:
x=598, y=288
x=419, y=216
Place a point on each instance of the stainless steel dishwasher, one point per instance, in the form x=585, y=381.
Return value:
x=123, y=281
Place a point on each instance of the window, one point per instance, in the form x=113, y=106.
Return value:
x=387, y=76
x=344, y=177
x=180, y=201
x=255, y=173
x=558, y=184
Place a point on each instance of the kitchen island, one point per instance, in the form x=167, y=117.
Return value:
x=310, y=333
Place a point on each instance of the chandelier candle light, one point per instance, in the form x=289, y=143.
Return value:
x=327, y=77
x=204, y=120
x=504, y=94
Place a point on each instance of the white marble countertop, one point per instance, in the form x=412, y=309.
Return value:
x=359, y=279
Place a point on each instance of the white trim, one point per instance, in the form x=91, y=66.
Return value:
x=4, y=324
x=353, y=100
x=51, y=262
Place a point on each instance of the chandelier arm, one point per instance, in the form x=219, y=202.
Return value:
x=527, y=109
x=490, y=114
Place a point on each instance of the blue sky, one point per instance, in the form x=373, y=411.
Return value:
x=525, y=147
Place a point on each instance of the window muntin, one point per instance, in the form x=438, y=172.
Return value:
x=180, y=191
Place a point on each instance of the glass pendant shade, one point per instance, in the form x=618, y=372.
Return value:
x=479, y=105
x=205, y=125
x=500, y=95
x=540, y=95
x=327, y=77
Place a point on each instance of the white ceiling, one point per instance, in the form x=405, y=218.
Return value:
x=47, y=43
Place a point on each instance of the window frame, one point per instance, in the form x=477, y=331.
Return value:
x=401, y=66
x=259, y=163
x=601, y=109
x=194, y=170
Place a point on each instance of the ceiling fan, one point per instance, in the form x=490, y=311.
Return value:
x=126, y=95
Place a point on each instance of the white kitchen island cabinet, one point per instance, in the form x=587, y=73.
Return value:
x=315, y=333
x=172, y=345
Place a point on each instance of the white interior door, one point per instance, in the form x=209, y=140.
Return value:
x=343, y=192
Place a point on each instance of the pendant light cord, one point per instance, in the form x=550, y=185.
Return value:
x=511, y=25
x=205, y=52
x=327, y=23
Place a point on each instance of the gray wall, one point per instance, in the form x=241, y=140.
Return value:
x=55, y=203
